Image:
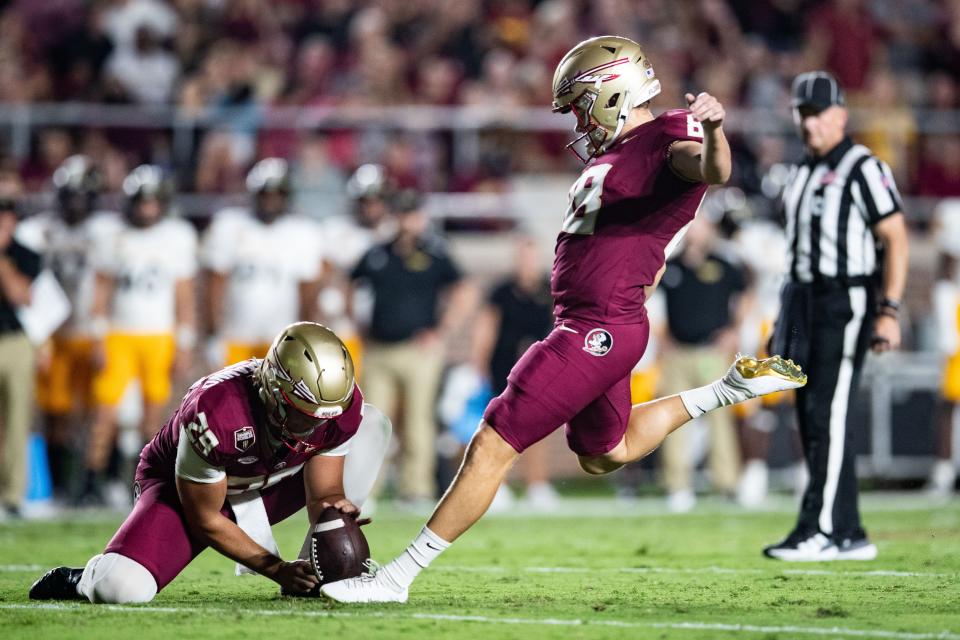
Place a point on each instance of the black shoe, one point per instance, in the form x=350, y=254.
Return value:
x=57, y=584
x=802, y=546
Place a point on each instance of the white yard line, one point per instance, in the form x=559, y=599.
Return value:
x=19, y=568
x=553, y=622
x=693, y=570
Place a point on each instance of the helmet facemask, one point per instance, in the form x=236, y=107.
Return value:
x=286, y=423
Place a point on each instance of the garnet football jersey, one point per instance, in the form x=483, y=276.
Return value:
x=624, y=210
x=224, y=421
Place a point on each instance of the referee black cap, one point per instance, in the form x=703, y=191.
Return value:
x=817, y=89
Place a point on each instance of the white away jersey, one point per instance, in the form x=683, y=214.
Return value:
x=68, y=251
x=264, y=265
x=146, y=264
x=348, y=241
x=762, y=247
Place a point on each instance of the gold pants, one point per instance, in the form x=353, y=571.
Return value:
x=17, y=361
x=407, y=370
x=688, y=367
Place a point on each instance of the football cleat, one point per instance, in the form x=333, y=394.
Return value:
x=57, y=584
x=375, y=586
x=785, y=369
x=798, y=547
x=859, y=549
x=750, y=377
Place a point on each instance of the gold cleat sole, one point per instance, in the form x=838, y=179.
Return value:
x=750, y=367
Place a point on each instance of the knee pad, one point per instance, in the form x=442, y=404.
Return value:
x=111, y=578
x=368, y=449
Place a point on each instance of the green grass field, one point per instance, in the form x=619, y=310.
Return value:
x=602, y=570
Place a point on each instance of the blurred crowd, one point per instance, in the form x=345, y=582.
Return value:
x=331, y=224
x=237, y=59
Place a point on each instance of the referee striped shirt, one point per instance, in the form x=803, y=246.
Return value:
x=831, y=204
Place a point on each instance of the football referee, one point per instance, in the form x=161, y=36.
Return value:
x=847, y=244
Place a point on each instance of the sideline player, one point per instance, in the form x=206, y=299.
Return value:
x=66, y=238
x=367, y=222
x=249, y=446
x=143, y=312
x=627, y=209
x=263, y=267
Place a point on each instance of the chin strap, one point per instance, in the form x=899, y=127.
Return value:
x=621, y=120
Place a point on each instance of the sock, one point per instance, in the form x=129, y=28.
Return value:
x=713, y=396
x=702, y=399
x=425, y=548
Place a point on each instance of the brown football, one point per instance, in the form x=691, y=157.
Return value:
x=338, y=548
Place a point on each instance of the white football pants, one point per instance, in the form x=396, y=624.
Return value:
x=111, y=578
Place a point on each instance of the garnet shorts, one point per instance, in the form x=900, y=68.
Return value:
x=155, y=533
x=579, y=375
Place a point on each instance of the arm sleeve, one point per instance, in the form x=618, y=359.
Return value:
x=191, y=466
x=681, y=124
x=340, y=450
x=878, y=190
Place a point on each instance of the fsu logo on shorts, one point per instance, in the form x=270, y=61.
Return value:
x=598, y=342
x=244, y=437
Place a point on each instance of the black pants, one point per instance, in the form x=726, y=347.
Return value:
x=826, y=329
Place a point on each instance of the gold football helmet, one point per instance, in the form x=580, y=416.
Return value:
x=600, y=80
x=306, y=378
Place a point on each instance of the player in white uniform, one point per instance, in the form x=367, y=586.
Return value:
x=946, y=306
x=143, y=311
x=264, y=266
x=65, y=237
x=352, y=234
